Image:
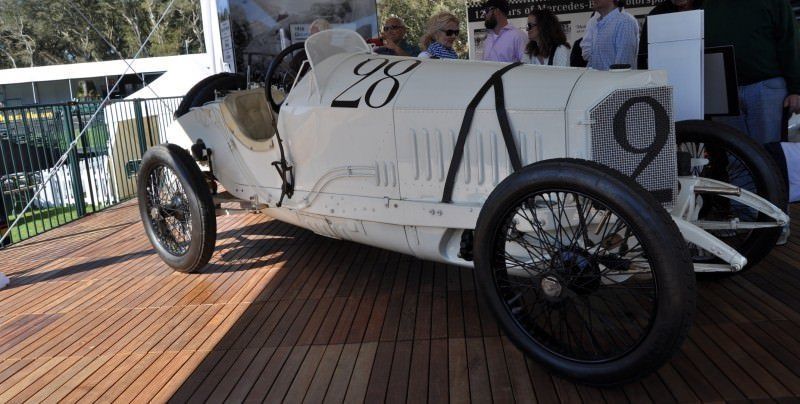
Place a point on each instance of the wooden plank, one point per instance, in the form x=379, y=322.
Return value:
x=337, y=388
x=418, y=376
x=517, y=371
x=357, y=388
x=250, y=374
x=543, y=384
x=498, y=370
x=700, y=360
x=399, y=377
x=458, y=370
x=315, y=392
x=305, y=374
x=479, y=384
x=379, y=374
x=785, y=376
x=271, y=372
x=439, y=318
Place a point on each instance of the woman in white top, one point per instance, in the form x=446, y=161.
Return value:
x=548, y=44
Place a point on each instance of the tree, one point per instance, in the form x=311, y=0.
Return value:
x=46, y=32
x=415, y=14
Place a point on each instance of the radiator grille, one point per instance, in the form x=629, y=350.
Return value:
x=633, y=132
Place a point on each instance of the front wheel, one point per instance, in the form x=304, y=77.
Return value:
x=585, y=271
x=176, y=207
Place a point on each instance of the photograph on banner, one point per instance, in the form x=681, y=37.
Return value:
x=260, y=29
x=573, y=14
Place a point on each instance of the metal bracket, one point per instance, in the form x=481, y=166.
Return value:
x=251, y=206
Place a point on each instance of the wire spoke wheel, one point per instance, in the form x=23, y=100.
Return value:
x=169, y=211
x=578, y=280
x=722, y=153
x=176, y=208
x=585, y=271
x=725, y=166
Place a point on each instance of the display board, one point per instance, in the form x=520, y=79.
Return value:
x=573, y=15
x=721, y=86
x=262, y=28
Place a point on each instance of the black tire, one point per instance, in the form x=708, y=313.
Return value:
x=737, y=159
x=633, y=322
x=205, y=90
x=176, y=208
x=283, y=71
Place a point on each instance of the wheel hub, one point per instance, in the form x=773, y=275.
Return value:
x=551, y=287
x=579, y=269
x=175, y=207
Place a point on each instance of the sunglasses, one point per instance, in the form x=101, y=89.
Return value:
x=450, y=32
x=392, y=27
x=531, y=25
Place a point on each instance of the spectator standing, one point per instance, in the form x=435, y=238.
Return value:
x=503, y=43
x=548, y=44
x=666, y=7
x=440, y=35
x=394, y=39
x=765, y=40
x=582, y=49
x=614, y=37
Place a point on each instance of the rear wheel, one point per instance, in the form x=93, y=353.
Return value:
x=207, y=89
x=736, y=159
x=585, y=271
x=176, y=208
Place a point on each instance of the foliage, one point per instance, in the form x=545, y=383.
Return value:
x=47, y=32
x=415, y=14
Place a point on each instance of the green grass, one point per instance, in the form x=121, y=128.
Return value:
x=39, y=221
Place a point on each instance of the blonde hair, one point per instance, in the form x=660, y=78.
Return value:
x=320, y=24
x=436, y=23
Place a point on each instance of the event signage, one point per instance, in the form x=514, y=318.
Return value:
x=260, y=29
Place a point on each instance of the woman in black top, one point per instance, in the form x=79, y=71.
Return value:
x=548, y=44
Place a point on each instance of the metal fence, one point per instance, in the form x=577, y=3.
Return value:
x=100, y=172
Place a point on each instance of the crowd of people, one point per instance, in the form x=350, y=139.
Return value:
x=764, y=35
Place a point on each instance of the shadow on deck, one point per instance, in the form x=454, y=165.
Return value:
x=283, y=314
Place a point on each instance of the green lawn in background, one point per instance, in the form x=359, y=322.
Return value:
x=38, y=221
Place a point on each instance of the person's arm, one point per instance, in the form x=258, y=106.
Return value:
x=561, y=57
x=520, y=46
x=588, y=37
x=626, y=42
x=394, y=47
x=789, y=55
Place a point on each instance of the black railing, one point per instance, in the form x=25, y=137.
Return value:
x=99, y=172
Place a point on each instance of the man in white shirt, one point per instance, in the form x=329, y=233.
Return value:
x=613, y=37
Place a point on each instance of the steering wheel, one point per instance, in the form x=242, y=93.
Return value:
x=282, y=73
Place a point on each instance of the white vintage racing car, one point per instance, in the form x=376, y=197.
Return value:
x=582, y=207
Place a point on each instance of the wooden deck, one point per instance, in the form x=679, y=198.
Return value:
x=282, y=314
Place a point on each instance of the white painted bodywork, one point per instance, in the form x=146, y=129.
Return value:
x=376, y=175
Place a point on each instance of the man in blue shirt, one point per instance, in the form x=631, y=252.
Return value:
x=615, y=36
